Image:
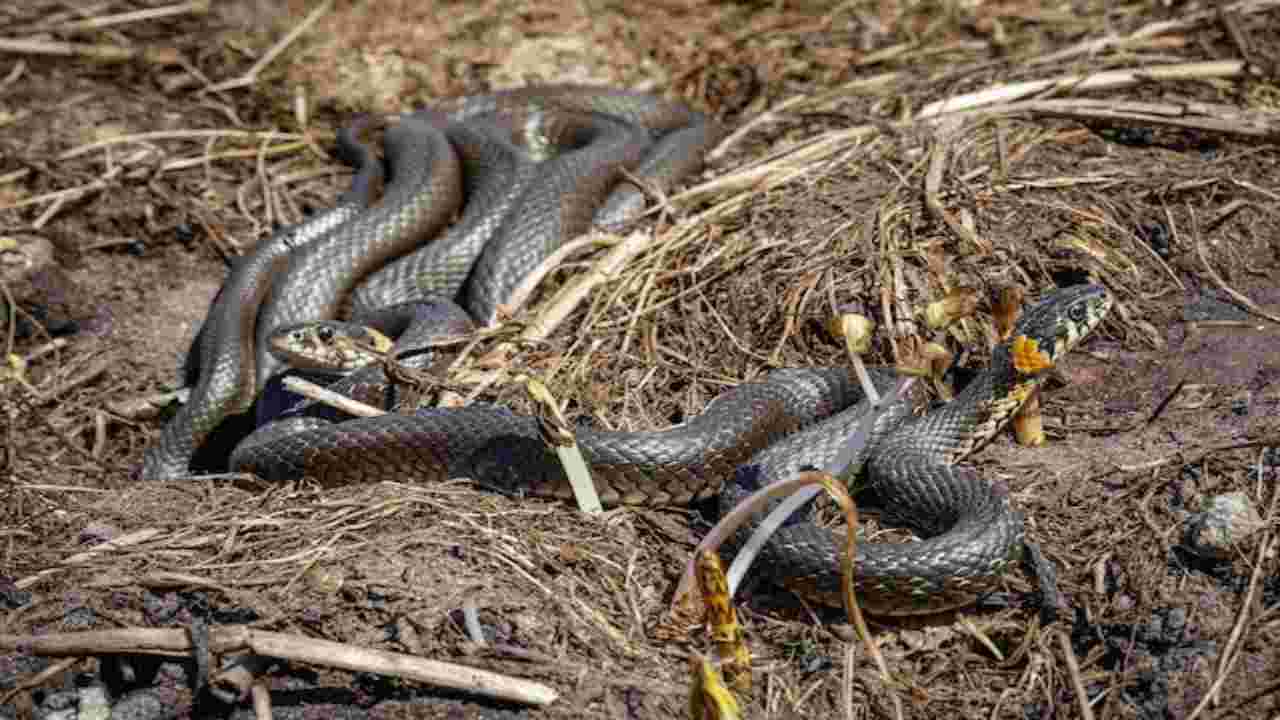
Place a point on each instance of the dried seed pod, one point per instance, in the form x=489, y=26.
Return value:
x=856, y=330
x=957, y=304
x=1028, y=423
x=1007, y=308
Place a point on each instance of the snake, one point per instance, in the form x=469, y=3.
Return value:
x=750, y=436
x=530, y=205
x=754, y=434
x=220, y=360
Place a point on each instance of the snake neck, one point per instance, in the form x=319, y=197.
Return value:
x=968, y=422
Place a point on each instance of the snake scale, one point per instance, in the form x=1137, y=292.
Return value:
x=751, y=435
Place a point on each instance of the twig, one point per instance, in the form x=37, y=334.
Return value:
x=233, y=638
x=1073, y=670
x=39, y=678
x=1239, y=37
x=791, y=163
x=1107, y=80
x=1187, y=22
x=1164, y=404
x=60, y=196
x=52, y=346
x=102, y=21
x=875, y=82
x=593, y=240
x=1229, y=655
x=254, y=136
x=324, y=395
x=564, y=302
x=251, y=75
x=1170, y=459
x=260, y=692
x=1208, y=268
x=1260, y=190
x=771, y=115
x=18, y=68
x=932, y=183
x=281, y=149
x=1194, y=115
x=1155, y=256
x=105, y=53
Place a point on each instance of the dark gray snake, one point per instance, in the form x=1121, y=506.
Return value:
x=304, y=273
x=748, y=437
x=758, y=432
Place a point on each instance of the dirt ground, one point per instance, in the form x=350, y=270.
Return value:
x=842, y=184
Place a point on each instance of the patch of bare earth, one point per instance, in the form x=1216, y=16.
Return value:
x=846, y=181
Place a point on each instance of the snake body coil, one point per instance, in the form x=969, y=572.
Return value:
x=754, y=434
x=221, y=357
x=532, y=198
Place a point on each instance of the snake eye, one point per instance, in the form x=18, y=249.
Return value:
x=325, y=333
x=1076, y=313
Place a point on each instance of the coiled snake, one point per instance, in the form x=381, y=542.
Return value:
x=756, y=433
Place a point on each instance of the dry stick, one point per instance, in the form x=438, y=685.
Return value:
x=195, y=6
x=247, y=135
x=933, y=182
x=1151, y=252
x=18, y=68
x=1107, y=80
x=1260, y=190
x=16, y=175
x=567, y=299
x=1073, y=669
x=59, y=196
x=54, y=208
x=1091, y=47
x=105, y=53
x=73, y=10
x=10, y=307
x=265, y=182
x=39, y=678
x=119, y=543
x=1239, y=37
x=1194, y=115
x=251, y=75
x=324, y=395
x=768, y=116
x=50, y=347
x=793, y=162
x=233, y=638
x=1239, y=297
x=1229, y=654
x=282, y=149
x=592, y=240
x=261, y=695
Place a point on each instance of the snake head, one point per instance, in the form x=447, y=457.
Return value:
x=1049, y=329
x=327, y=345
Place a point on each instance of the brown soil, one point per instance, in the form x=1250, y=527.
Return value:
x=1155, y=413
